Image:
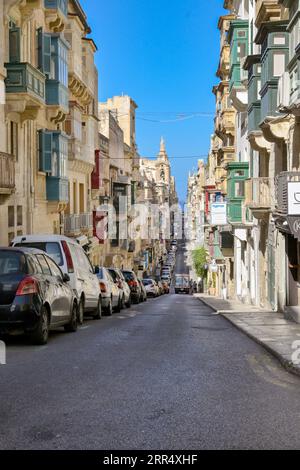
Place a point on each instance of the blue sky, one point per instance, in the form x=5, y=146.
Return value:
x=164, y=55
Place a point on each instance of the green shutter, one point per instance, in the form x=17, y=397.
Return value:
x=14, y=45
x=44, y=51
x=45, y=151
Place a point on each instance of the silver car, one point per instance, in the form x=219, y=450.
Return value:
x=119, y=279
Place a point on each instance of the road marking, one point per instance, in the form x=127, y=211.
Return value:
x=84, y=327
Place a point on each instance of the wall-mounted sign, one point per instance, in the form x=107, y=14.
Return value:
x=294, y=225
x=218, y=213
x=294, y=198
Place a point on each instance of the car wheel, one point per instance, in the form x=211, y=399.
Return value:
x=119, y=306
x=128, y=305
x=80, y=316
x=98, y=312
x=109, y=309
x=123, y=305
x=72, y=326
x=41, y=334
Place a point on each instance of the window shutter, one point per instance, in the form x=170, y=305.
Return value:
x=45, y=151
x=44, y=51
x=40, y=40
x=14, y=45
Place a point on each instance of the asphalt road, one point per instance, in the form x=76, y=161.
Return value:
x=168, y=374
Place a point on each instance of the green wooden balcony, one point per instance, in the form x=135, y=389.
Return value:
x=254, y=117
x=238, y=172
x=26, y=79
x=269, y=100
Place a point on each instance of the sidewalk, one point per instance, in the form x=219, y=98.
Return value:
x=269, y=329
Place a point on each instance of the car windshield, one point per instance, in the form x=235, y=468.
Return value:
x=12, y=263
x=147, y=282
x=51, y=248
x=100, y=273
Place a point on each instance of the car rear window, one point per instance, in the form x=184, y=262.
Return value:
x=147, y=282
x=113, y=274
x=51, y=248
x=182, y=281
x=12, y=262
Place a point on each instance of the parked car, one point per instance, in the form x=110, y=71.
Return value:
x=151, y=287
x=160, y=288
x=34, y=294
x=182, y=284
x=120, y=281
x=166, y=278
x=134, y=285
x=166, y=286
x=166, y=271
x=72, y=260
x=110, y=292
x=143, y=291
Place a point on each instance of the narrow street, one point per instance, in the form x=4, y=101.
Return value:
x=165, y=374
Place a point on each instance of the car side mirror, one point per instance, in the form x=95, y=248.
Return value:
x=66, y=277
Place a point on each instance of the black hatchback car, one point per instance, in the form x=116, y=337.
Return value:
x=34, y=294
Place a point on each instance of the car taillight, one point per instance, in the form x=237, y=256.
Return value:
x=68, y=256
x=103, y=287
x=120, y=285
x=28, y=286
x=132, y=283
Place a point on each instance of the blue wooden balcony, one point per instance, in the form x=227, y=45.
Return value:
x=57, y=94
x=57, y=189
x=61, y=5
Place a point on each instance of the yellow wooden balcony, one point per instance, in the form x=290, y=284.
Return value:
x=267, y=10
x=258, y=196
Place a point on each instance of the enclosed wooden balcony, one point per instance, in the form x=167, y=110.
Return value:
x=258, y=196
x=56, y=12
x=25, y=89
x=268, y=10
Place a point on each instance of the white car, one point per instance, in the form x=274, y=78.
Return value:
x=72, y=260
x=151, y=287
x=110, y=292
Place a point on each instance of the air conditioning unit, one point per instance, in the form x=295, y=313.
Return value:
x=283, y=95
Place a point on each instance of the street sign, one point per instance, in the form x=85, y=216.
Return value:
x=294, y=198
x=218, y=213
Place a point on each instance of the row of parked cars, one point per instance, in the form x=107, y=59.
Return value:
x=48, y=281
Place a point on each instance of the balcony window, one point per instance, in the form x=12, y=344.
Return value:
x=53, y=153
x=53, y=57
x=278, y=64
x=239, y=189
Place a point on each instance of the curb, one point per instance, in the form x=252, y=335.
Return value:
x=288, y=365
